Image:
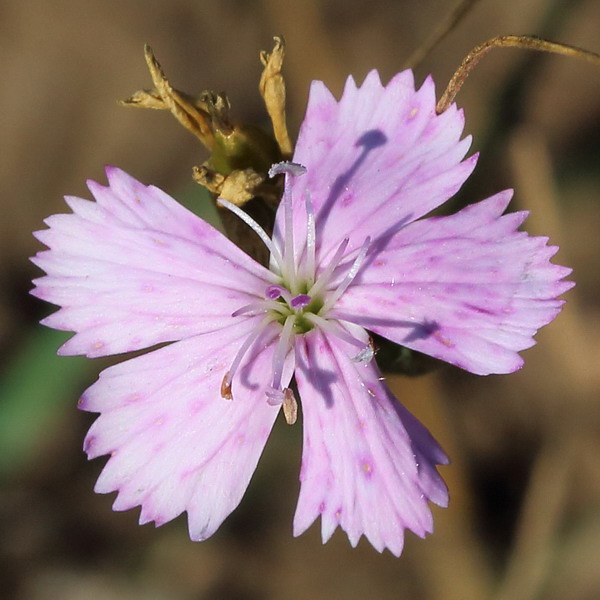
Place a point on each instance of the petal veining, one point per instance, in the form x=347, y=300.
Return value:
x=368, y=466
x=135, y=269
x=468, y=289
x=376, y=160
x=175, y=444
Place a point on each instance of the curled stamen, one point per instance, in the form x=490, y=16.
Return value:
x=323, y=279
x=358, y=261
x=278, y=291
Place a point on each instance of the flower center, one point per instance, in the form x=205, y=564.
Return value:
x=303, y=293
x=297, y=307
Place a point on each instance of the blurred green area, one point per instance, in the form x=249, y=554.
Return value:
x=36, y=388
x=525, y=480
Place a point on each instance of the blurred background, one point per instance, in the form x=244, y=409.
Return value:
x=524, y=518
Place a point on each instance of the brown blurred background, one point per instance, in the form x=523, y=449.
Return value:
x=524, y=519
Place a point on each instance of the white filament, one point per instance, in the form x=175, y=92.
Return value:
x=323, y=279
x=283, y=346
x=336, y=295
x=262, y=234
x=310, y=240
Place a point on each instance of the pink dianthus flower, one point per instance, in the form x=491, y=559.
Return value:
x=185, y=424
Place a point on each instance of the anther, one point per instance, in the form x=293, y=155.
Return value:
x=290, y=406
x=226, y=387
x=300, y=301
x=366, y=354
x=274, y=291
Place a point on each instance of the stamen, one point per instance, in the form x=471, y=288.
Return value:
x=262, y=234
x=283, y=346
x=310, y=240
x=226, y=384
x=358, y=261
x=290, y=170
x=260, y=306
x=323, y=279
x=276, y=291
x=334, y=328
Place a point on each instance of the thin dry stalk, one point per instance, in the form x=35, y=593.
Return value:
x=507, y=41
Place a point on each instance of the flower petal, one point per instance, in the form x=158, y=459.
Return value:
x=376, y=160
x=175, y=444
x=367, y=464
x=135, y=268
x=468, y=289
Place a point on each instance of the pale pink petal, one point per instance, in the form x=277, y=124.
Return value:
x=468, y=289
x=377, y=159
x=175, y=444
x=368, y=466
x=135, y=269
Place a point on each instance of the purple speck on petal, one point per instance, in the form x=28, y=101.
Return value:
x=367, y=468
x=480, y=309
x=347, y=199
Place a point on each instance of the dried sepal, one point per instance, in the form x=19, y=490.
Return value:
x=238, y=187
x=164, y=96
x=272, y=89
x=241, y=186
x=145, y=99
x=209, y=179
